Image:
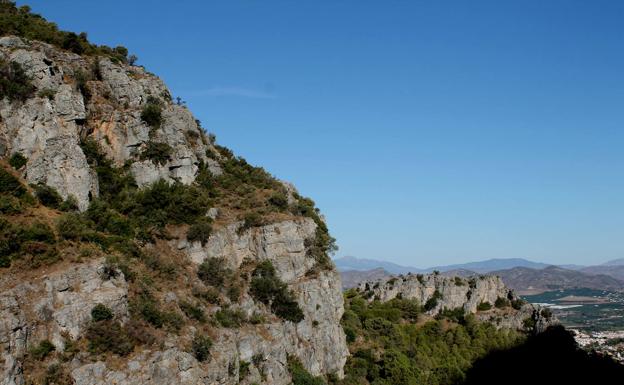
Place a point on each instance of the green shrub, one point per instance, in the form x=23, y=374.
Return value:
x=18, y=241
x=211, y=295
x=48, y=196
x=55, y=374
x=201, y=347
x=459, y=281
x=149, y=311
x=546, y=313
x=108, y=220
x=267, y=288
x=152, y=113
x=528, y=323
x=39, y=232
x=101, y=312
x=10, y=205
x=162, y=203
x=243, y=369
x=252, y=219
x=484, y=306
x=158, y=152
x=109, y=336
x=112, y=181
x=18, y=161
x=41, y=351
x=47, y=93
x=213, y=272
x=502, y=303
x=200, y=231
x=279, y=200
x=69, y=204
x=433, y=301
x=10, y=185
x=230, y=318
x=234, y=292
x=74, y=226
x=173, y=320
x=257, y=319
x=350, y=334
x=14, y=82
x=517, y=303
x=193, y=311
x=299, y=374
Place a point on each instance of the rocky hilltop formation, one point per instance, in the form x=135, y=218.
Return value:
x=486, y=296
x=77, y=97
x=134, y=249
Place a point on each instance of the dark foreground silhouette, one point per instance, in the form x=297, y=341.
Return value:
x=552, y=358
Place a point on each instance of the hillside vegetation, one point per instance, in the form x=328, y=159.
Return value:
x=395, y=343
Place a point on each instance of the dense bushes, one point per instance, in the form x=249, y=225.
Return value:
x=159, y=153
x=484, y=306
x=35, y=243
x=152, y=113
x=109, y=336
x=21, y=22
x=230, y=318
x=200, y=231
x=148, y=308
x=14, y=83
x=502, y=303
x=392, y=348
x=213, y=272
x=267, y=288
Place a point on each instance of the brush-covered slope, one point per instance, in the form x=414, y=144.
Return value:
x=134, y=249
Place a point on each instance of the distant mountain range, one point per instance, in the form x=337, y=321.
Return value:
x=521, y=275
x=353, y=263
x=525, y=280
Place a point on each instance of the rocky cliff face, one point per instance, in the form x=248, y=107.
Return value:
x=81, y=97
x=72, y=101
x=477, y=295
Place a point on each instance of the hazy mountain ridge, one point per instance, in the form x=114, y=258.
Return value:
x=354, y=263
x=535, y=276
x=556, y=278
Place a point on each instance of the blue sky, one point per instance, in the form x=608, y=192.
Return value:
x=427, y=132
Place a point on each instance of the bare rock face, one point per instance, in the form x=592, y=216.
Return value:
x=444, y=292
x=54, y=307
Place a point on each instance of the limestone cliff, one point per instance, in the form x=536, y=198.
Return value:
x=92, y=98
x=486, y=296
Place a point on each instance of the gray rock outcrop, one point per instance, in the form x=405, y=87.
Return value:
x=441, y=292
x=48, y=128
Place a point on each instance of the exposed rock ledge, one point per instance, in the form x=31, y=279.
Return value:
x=465, y=293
